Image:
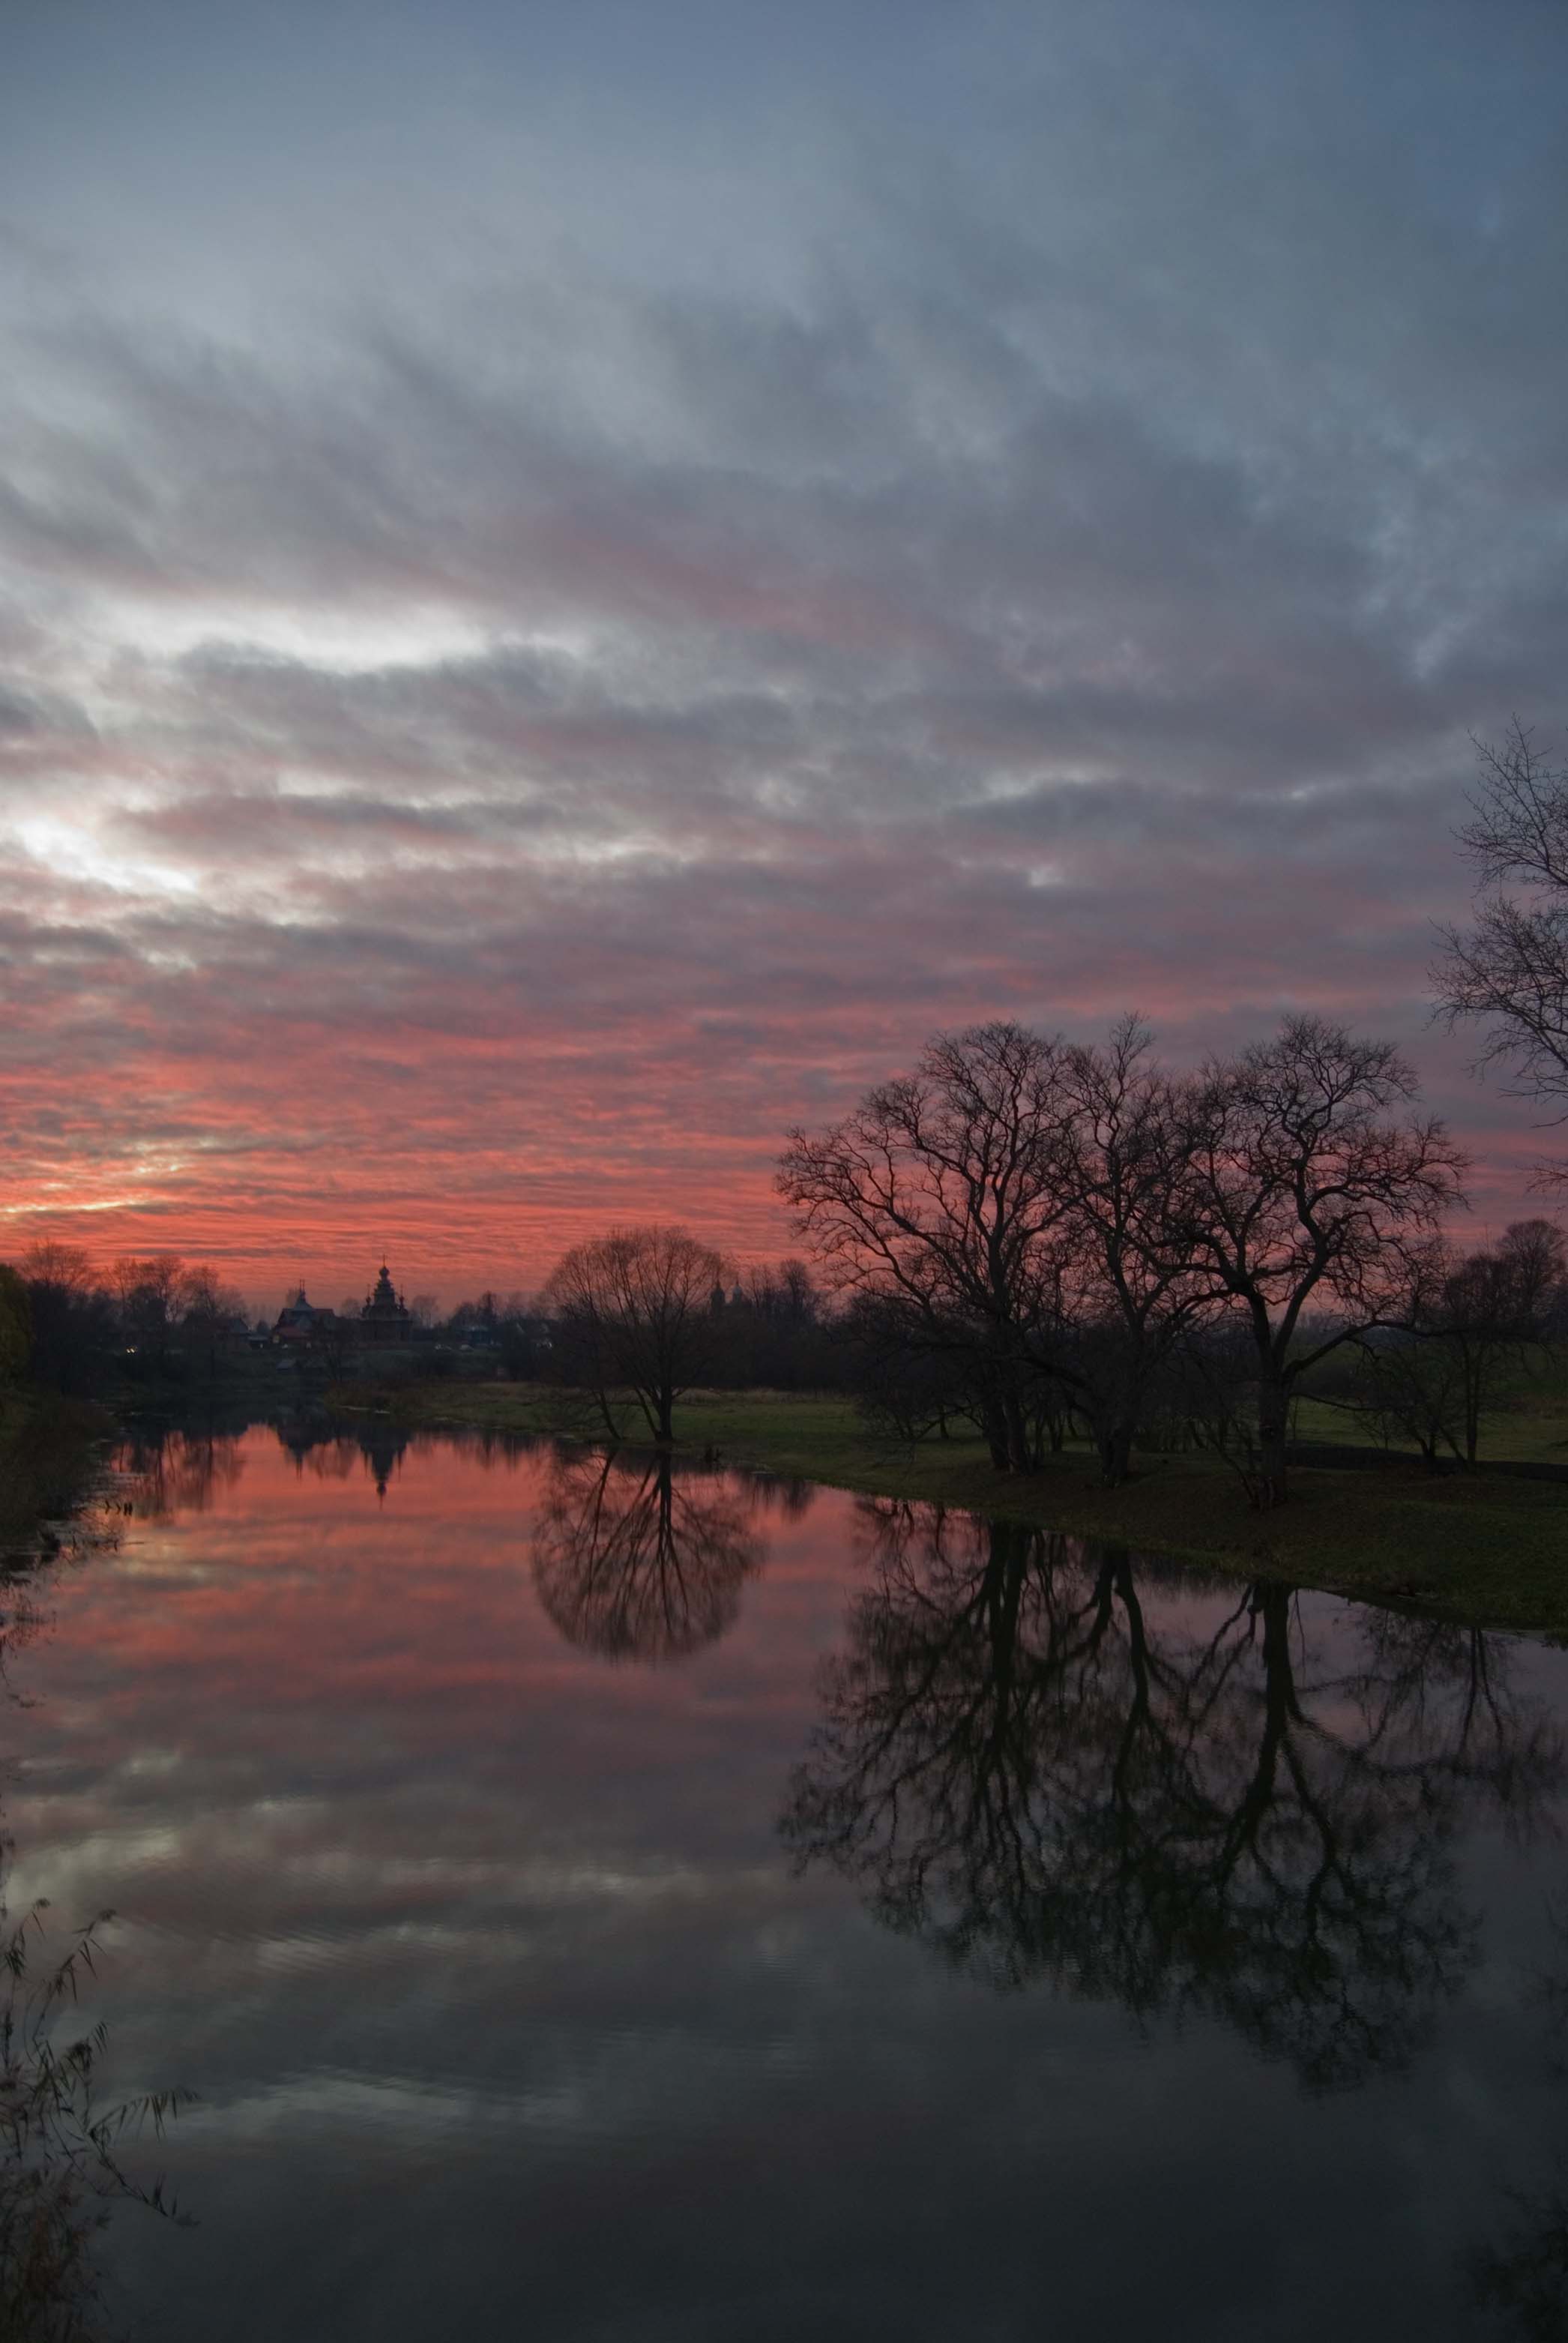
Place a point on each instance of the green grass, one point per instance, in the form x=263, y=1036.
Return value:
x=1531, y=1427
x=1489, y=1552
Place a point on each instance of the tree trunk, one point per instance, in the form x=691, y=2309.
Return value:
x=1115, y=1445
x=1272, y=1417
x=1019, y=1457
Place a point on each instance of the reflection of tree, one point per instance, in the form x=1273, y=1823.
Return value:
x=637, y=1563
x=178, y=1470
x=1525, y=2281
x=1031, y=1775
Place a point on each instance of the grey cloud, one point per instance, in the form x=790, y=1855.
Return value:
x=1069, y=585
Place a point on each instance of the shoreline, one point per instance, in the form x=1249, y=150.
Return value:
x=1480, y=1552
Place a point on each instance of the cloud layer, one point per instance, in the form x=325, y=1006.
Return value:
x=581, y=648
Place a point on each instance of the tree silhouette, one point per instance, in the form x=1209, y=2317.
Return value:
x=1508, y=974
x=636, y=1562
x=1035, y=1779
x=1525, y=2280
x=632, y=1316
x=175, y=1469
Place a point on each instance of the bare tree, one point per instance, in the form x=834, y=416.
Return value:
x=72, y=1317
x=1470, y=1324
x=1133, y=1292
x=797, y=1291
x=1509, y=972
x=943, y=1191
x=1406, y=1381
x=1495, y=1307
x=149, y=1292
x=209, y=1310
x=48, y=1263
x=634, y=1315
x=1305, y=1196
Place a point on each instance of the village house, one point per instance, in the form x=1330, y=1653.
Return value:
x=298, y=1322
x=385, y=1323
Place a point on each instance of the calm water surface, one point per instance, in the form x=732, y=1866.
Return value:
x=603, y=1911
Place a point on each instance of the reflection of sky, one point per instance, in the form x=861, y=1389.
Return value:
x=508, y=2016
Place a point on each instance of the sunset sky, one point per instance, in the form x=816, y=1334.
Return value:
x=575, y=578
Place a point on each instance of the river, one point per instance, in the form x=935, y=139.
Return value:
x=611, y=1907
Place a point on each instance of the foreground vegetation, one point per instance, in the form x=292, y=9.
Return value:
x=1491, y=1551
x=50, y=1452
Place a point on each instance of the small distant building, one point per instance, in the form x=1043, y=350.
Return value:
x=299, y=1320
x=386, y=1320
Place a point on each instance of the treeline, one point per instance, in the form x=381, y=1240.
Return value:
x=1038, y=1241
x=1034, y=1234
x=762, y=1327
x=1025, y=1238
x=77, y=1329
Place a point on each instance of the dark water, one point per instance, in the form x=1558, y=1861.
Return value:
x=607, y=1912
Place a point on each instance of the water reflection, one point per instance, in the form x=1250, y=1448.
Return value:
x=633, y=1563
x=475, y=1943
x=1032, y=1774
x=61, y=2150
x=1524, y=2278
x=166, y=1471
x=49, y=1467
x=331, y=1451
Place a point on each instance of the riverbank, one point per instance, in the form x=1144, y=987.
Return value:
x=50, y=1452
x=1484, y=1553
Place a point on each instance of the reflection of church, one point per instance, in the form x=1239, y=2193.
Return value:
x=382, y=1445
x=384, y=1319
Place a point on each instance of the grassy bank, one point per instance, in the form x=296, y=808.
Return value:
x=1491, y=1552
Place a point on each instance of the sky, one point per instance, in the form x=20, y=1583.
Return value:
x=575, y=580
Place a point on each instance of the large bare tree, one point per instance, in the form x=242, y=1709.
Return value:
x=1308, y=1191
x=634, y=1315
x=1132, y=1293
x=943, y=1192
x=1509, y=972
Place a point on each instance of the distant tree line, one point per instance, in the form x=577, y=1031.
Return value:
x=75, y=1328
